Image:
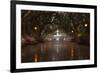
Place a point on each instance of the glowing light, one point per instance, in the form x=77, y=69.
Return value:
x=36, y=58
x=72, y=31
x=84, y=19
x=57, y=33
x=85, y=25
x=35, y=28
x=79, y=35
x=57, y=39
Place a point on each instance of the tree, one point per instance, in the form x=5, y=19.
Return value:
x=39, y=24
x=80, y=23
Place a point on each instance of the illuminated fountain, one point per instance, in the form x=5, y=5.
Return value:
x=58, y=35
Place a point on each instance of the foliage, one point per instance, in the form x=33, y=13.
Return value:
x=39, y=24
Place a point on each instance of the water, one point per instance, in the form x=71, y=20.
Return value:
x=54, y=51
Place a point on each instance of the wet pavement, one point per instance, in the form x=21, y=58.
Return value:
x=54, y=51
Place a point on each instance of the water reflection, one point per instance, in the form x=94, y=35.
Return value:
x=36, y=58
x=54, y=51
x=72, y=52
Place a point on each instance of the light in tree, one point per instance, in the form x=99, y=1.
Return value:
x=72, y=31
x=85, y=25
x=79, y=35
x=35, y=28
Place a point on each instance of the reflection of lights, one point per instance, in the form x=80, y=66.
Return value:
x=35, y=28
x=85, y=25
x=72, y=52
x=57, y=48
x=36, y=60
